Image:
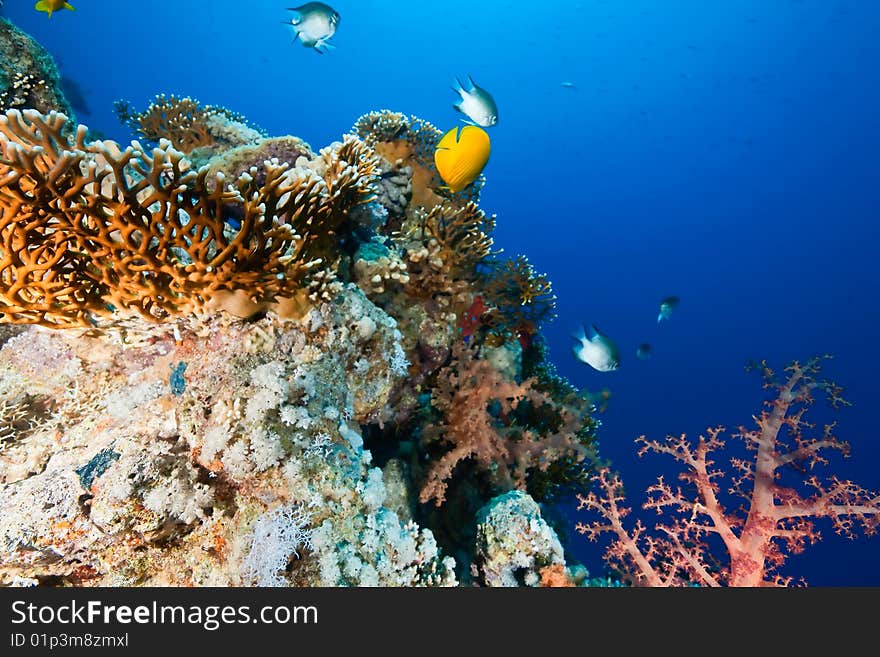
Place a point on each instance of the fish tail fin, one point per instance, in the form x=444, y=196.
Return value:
x=580, y=334
x=457, y=107
x=575, y=353
x=593, y=332
x=471, y=82
x=69, y=6
x=322, y=47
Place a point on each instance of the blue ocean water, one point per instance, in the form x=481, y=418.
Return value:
x=722, y=152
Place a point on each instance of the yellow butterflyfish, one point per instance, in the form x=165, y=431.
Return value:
x=461, y=156
x=52, y=5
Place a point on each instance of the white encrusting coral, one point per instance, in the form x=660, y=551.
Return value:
x=247, y=466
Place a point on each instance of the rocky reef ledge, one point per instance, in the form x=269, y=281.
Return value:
x=231, y=456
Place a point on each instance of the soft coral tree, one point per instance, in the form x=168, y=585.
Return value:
x=774, y=521
x=512, y=431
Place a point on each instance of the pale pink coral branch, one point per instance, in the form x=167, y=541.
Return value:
x=776, y=517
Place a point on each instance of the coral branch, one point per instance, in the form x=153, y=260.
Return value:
x=511, y=430
x=88, y=230
x=778, y=520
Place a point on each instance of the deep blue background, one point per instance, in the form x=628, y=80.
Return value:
x=725, y=152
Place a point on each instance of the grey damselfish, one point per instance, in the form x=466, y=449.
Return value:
x=476, y=103
x=596, y=350
x=667, y=307
x=314, y=23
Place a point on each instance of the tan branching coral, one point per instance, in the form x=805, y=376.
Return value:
x=20, y=88
x=89, y=230
x=407, y=144
x=348, y=171
x=387, y=127
x=507, y=428
x=188, y=124
x=444, y=245
x=519, y=298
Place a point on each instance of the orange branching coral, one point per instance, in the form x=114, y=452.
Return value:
x=187, y=124
x=507, y=428
x=756, y=538
x=88, y=230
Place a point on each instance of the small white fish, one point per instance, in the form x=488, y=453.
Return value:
x=569, y=85
x=598, y=350
x=476, y=103
x=314, y=23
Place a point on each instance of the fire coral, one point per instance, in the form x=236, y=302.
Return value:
x=88, y=230
x=776, y=520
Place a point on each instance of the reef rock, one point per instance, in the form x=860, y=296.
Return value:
x=514, y=543
x=206, y=452
x=29, y=76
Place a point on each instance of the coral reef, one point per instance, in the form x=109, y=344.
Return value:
x=251, y=158
x=516, y=546
x=254, y=474
x=275, y=367
x=776, y=519
x=407, y=144
x=188, y=125
x=92, y=230
x=508, y=429
x=519, y=300
x=29, y=77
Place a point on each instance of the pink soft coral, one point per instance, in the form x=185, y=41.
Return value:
x=776, y=520
x=478, y=406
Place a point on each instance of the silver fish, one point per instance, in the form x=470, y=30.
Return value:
x=596, y=350
x=476, y=103
x=314, y=23
x=667, y=307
